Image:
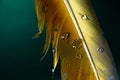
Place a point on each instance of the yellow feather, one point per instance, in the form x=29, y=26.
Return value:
x=77, y=40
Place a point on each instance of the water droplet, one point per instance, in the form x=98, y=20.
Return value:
x=54, y=49
x=78, y=56
x=84, y=17
x=77, y=43
x=101, y=50
x=62, y=37
x=74, y=47
x=65, y=36
x=53, y=70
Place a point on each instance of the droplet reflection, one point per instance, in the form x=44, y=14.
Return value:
x=77, y=43
x=65, y=36
x=54, y=49
x=78, y=56
x=84, y=17
x=74, y=47
x=101, y=50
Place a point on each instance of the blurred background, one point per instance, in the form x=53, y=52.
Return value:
x=20, y=54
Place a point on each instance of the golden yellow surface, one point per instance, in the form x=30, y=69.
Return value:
x=75, y=64
x=76, y=38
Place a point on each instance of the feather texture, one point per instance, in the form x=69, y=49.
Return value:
x=76, y=38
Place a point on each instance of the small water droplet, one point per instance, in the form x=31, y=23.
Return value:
x=77, y=43
x=101, y=50
x=54, y=49
x=62, y=37
x=84, y=17
x=74, y=47
x=53, y=70
x=65, y=36
x=78, y=56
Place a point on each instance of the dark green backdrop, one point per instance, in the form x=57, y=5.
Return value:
x=20, y=55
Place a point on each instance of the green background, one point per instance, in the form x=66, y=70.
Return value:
x=20, y=54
